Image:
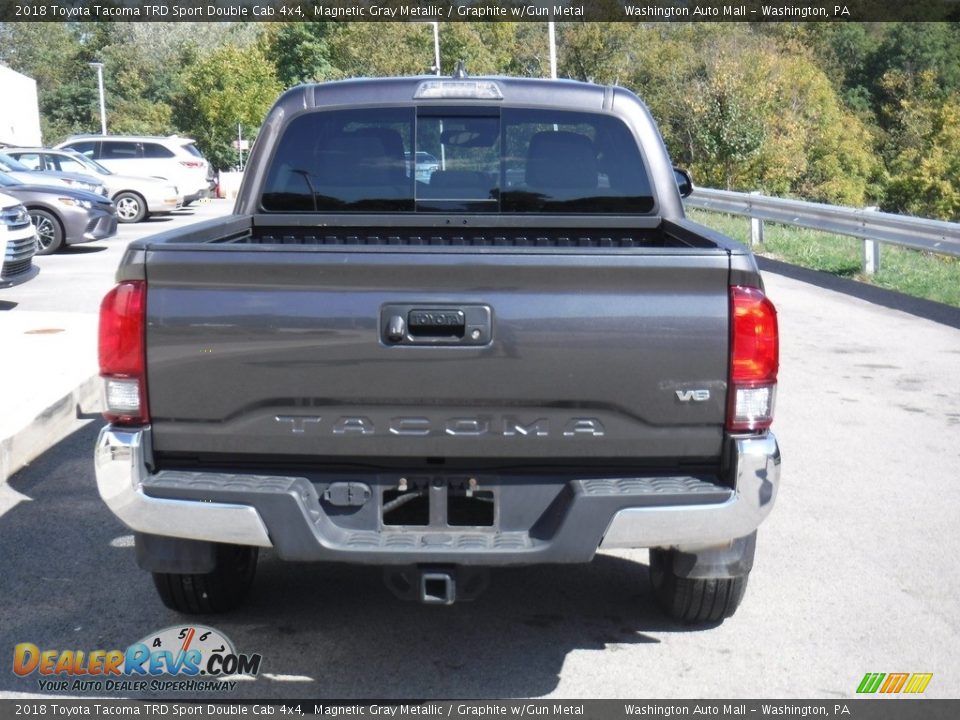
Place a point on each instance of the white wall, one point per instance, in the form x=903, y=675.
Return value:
x=19, y=111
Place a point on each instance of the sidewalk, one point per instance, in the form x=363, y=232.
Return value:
x=48, y=376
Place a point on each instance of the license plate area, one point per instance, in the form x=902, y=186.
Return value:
x=439, y=503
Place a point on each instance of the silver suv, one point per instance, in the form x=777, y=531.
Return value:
x=172, y=158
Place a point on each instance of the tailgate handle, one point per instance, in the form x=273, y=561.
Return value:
x=435, y=325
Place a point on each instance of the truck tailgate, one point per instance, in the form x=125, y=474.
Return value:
x=284, y=352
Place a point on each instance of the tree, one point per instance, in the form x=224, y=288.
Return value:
x=598, y=52
x=729, y=127
x=228, y=87
x=923, y=148
x=51, y=54
x=301, y=52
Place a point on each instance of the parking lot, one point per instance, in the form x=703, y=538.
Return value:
x=855, y=569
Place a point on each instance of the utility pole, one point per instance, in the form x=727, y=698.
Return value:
x=103, y=107
x=436, y=46
x=553, y=48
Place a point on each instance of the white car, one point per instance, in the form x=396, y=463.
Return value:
x=136, y=198
x=172, y=158
x=18, y=243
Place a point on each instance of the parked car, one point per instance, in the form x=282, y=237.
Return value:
x=18, y=243
x=31, y=176
x=136, y=198
x=424, y=165
x=172, y=158
x=62, y=215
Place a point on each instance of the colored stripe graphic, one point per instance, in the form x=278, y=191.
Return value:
x=894, y=683
x=870, y=682
x=918, y=682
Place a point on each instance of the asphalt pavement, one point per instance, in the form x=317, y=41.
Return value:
x=855, y=569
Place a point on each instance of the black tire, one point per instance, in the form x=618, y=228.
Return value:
x=693, y=600
x=49, y=231
x=131, y=208
x=215, y=592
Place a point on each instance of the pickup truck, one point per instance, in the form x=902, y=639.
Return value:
x=524, y=356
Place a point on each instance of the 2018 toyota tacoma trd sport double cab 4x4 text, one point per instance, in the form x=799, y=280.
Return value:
x=523, y=356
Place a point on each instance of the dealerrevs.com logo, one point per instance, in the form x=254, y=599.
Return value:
x=175, y=659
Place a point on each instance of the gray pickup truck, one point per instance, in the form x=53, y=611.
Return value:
x=523, y=353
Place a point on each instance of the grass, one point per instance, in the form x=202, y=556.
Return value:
x=913, y=272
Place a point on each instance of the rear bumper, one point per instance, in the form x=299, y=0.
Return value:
x=163, y=203
x=756, y=468
x=198, y=195
x=576, y=518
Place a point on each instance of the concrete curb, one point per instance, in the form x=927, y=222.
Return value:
x=60, y=419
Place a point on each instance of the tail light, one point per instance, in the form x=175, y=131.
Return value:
x=122, y=354
x=754, y=360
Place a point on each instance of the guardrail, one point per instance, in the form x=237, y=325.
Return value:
x=871, y=226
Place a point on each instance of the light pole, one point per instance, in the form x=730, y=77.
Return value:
x=551, y=34
x=436, y=45
x=436, y=71
x=103, y=108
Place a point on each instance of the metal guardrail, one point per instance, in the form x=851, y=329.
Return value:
x=868, y=224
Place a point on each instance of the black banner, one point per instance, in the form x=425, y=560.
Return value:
x=479, y=10
x=854, y=709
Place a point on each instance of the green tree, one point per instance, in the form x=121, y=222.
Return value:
x=924, y=148
x=371, y=49
x=598, y=52
x=51, y=54
x=301, y=52
x=818, y=149
x=727, y=116
x=228, y=87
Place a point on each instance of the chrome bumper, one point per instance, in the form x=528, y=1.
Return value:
x=757, y=471
x=120, y=461
x=122, y=469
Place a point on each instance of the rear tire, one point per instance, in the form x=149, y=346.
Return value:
x=49, y=231
x=693, y=600
x=131, y=208
x=223, y=589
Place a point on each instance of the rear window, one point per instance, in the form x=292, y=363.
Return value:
x=12, y=164
x=119, y=150
x=65, y=163
x=155, y=151
x=192, y=149
x=449, y=159
x=84, y=147
x=345, y=160
x=32, y=161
